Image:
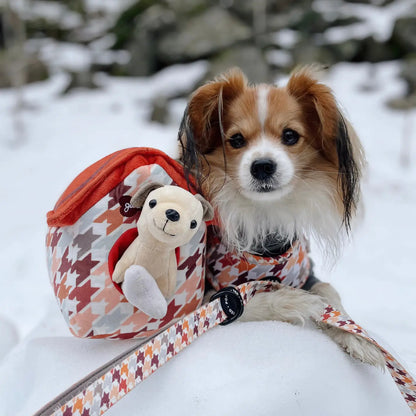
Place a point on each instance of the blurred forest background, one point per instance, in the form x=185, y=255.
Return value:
x=266, y=38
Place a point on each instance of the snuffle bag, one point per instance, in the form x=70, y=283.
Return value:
x=90, y=227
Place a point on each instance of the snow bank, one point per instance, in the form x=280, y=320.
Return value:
x=9, y=337
x=245, y=368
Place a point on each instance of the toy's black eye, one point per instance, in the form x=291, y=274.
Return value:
x=290, y=137
x=152, y=203
x=237, y=141
x=193, y=224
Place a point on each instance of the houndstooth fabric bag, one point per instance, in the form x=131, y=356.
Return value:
x=91, y=226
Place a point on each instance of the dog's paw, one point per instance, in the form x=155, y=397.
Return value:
x=358, y=347
x=294, y=306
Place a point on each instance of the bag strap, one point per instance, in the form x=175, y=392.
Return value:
x=99, y=391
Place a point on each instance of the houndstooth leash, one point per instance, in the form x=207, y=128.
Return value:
x=96, y=393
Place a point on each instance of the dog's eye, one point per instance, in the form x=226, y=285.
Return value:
x=290, y=137
x=193, y=224
x=237, y=141
x=152, y=203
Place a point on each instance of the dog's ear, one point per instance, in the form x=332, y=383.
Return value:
x=203, y=115
x=320, y=110
x=201, y=129
x=331, y=134
x=207, y=208
x=140, y=196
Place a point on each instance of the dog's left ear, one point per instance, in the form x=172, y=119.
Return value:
x=140, y=196
x=332, y=135
x=206, y=206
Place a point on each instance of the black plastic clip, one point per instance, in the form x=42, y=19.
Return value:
x=231, y=303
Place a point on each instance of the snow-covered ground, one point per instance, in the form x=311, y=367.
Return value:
x=250, y=367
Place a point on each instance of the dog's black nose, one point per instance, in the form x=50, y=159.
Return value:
x=172, y=214
x=262, y=169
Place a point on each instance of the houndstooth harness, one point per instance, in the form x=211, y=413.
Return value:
x=224, y=267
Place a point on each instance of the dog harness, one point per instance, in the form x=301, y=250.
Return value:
x=225, y=268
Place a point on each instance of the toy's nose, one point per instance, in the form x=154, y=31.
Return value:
x=172, y=215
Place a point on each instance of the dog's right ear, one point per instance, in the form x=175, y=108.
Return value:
x=138, y=199
x=201, y=126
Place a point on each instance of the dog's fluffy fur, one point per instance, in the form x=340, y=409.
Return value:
x=277, y=163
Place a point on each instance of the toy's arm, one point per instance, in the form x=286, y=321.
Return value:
x=126, y=260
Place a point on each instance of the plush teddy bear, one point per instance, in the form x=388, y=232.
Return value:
x=170, y=217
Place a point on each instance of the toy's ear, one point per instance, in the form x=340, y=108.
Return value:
x=137, y=201
x=207, y=207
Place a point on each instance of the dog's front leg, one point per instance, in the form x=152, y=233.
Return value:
x=294, y=306
x=355, y=345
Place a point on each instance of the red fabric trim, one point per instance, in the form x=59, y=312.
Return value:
x=100, y=178
x=118, y=249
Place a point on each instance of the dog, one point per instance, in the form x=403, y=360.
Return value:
x=278, y=164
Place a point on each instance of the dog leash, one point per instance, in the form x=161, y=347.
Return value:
x=404, y=381
x=99, y=391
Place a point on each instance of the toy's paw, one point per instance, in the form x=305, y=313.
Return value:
x=358, y=347
x=141, y=290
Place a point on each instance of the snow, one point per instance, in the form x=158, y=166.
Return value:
x=339, y=34
x=246, y=368
x=286, y=38
x=107, y=6
x=49, y=11
x=376, y=21
x=279, y=57
x=76, y=57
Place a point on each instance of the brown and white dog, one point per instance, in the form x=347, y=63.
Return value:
x=277, y=163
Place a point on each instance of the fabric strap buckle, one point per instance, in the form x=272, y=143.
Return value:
x=231, y=303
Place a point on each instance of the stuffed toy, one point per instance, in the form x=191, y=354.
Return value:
x=147, y=270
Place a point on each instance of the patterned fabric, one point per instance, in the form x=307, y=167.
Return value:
x=131, y=370
x=225, y=268
x=79, y=271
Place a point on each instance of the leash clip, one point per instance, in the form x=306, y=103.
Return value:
x=231, y=303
